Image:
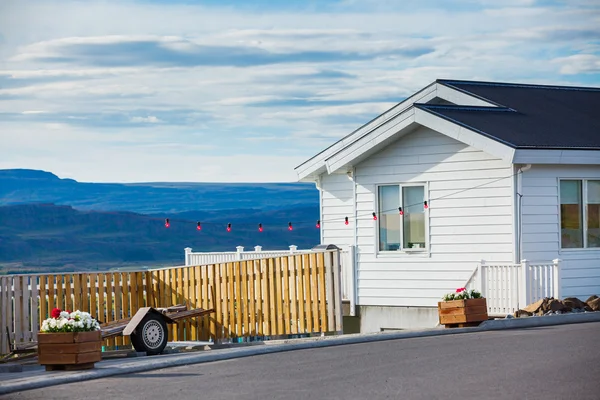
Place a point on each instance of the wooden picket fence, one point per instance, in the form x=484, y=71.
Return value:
x=261, y=298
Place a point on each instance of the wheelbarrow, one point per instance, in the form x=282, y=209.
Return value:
x=147, y=329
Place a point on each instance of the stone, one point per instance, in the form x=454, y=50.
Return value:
x=551, y=304
x=534, y=307
x=595, y=304
x=573, y=302
x=592, y=297
x=522, y=313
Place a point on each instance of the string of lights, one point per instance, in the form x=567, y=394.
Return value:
x=346, y=220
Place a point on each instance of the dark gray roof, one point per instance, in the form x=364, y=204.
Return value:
x=528, y=116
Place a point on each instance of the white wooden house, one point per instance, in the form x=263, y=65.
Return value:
x=485, y=173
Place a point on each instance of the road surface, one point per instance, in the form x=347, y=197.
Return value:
x=560, y=362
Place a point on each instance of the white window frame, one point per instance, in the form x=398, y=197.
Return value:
x=584, y=197
x=424, y=252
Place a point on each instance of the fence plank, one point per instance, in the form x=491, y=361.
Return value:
x=266, y=303
x=212, y=293
x=279, y=303
x=314, y=291
x=293, y=294
x=330, y=291
x=43, y=298
x=338, y=290
x=307, y=292
x=322, y=292
x=219, y=324
x=301, y=295
x=231, y=298
x=244, y=300
x=35, y=303
x=251, y=297
x=286, y=295
x=51, y=294
x=237, y=273
x=185, y=272
x=272, y=299
x=4, y=321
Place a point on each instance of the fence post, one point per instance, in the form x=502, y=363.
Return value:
x=524, y=284
x=293, y=249
x=240, y=250
x=258, y=248
x=556, y=278
x=188, y=253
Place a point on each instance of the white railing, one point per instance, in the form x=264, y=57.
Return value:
x=192, y=258
x=510, y=287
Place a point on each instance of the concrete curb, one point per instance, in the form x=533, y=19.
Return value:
x=278, y=346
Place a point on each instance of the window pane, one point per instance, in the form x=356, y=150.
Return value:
x=389, y=218
x=593, y=214
x=414, y=216
x=571, y=226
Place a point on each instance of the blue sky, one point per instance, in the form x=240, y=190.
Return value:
x=243, y=91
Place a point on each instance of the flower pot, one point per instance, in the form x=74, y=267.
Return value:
x=462, y=313
x=69, y=350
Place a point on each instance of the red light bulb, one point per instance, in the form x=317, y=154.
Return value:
x=425, y=206
x=400, y=210
x=346, y=220
x=228, y=227
x=318, y=223
x=167, y=224
x=199, y=227
x=260, y=228
x=374, y=217
x=290, y=226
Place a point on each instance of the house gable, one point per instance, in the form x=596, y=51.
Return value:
x=328, y=160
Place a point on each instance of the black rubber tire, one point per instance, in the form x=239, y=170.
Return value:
x=156, y=334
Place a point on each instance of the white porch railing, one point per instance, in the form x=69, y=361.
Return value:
x=509, y=287
x=193, y=259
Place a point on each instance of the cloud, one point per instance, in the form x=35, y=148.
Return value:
x=168, y=51
x=151, y=119
x=229, y=84
x=579, y=64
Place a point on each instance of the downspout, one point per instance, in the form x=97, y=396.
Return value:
x=352, y=177
x=318, y=186
x=519, y=224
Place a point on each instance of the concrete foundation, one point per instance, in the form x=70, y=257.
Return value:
x=377, y=318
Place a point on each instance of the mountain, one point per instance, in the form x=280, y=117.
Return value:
x=22, y=186
x=49, y=223
x=41, y=237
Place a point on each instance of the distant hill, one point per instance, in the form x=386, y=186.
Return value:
x=22, y=186
x=48, y=223
x=38, y=237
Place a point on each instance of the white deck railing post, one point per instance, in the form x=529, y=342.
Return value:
x=258, y=249
x=556, y=278
x=188, y=255
x=240, y=250
x=524, y=284
x=293, y=249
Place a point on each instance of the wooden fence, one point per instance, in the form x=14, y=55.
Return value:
x=269, y=297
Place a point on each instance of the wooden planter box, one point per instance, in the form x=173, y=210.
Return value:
x=461, y=313
x=69, y=350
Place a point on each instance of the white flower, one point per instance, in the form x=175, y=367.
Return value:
x=64, y=314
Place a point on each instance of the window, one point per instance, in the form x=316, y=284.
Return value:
x=580, y=214
x=401, y=232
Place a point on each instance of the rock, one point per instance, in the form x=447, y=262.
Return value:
x=595, y=304
x=587, y=308
x=573, y=302
x=508, y=316
x=534, y=307
x=592, y=297
x=551, y=304
x=522, y=313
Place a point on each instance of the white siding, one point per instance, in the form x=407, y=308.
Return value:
x=541, y=228
x=466, y=225
x=337, y=202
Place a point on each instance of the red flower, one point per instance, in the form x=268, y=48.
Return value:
x=55, y=313
x=462, y=289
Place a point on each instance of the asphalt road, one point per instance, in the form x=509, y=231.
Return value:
x=560, y=362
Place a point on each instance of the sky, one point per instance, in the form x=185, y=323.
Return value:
x=246, y=90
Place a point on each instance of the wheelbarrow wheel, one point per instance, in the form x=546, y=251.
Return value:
x=150, y=335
